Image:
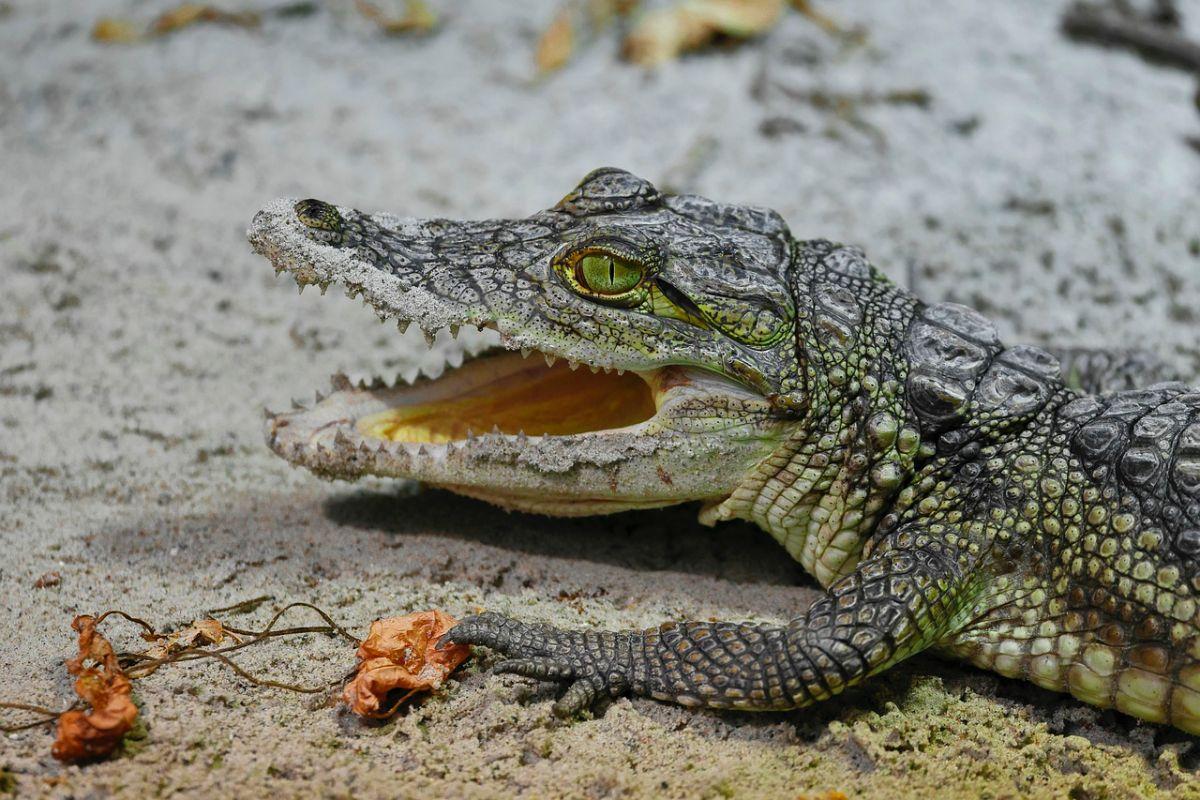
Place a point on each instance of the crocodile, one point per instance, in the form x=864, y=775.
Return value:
x=949, y=492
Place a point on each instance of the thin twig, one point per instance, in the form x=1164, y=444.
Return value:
x=198, y=653
x=338, y=628
x=135, y=620
x=1155, y=42
x=248, y=605
x=50, y=716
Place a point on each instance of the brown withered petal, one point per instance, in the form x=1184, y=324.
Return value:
x=399, y=658
x=95, y=733
x=92, y=645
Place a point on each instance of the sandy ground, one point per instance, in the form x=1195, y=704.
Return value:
x=1046, y=183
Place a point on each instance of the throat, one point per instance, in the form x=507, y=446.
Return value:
x=819, y=498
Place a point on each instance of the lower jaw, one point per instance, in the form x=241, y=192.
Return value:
x=527, y=436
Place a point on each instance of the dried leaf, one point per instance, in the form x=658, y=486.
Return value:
x=48, y=580
x=200, y=633
x=191, y=13
x=116, y=31
x=663, y=34
x=400, y=654
x=84, y=735
x=418, y=18
x=556, y=44
x=121, y=31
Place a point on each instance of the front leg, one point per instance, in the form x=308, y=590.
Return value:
x=896, y=603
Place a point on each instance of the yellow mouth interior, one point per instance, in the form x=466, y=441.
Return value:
x=537, y=399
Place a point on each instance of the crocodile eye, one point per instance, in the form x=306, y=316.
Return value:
x=319, y=215
x=606, y=274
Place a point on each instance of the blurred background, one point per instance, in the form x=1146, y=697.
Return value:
x=1037, y=160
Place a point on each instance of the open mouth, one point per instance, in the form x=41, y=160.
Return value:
x=511, y=395
x=530, y=433
x=495, y=398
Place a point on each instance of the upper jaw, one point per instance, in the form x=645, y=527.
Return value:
x=442, y=274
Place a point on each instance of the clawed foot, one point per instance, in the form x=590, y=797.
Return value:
x=590, y=664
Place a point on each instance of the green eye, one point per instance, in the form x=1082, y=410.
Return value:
x=606, y=274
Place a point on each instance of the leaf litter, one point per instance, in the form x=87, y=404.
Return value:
x=399, y=659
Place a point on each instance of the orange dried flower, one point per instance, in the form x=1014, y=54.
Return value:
x=85, y=735
x=400, y=654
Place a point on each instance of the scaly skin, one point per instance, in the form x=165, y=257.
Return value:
x=950, y=492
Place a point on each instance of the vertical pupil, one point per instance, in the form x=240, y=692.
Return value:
x=607, y=275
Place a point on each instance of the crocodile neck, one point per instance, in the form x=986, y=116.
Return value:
x=823, y=489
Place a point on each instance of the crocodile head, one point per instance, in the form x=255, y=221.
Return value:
x=646, y=347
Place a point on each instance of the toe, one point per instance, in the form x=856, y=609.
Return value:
x=540, y=668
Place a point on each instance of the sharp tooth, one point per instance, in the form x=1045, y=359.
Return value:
x=496, y=430
x=470, y=434
x=454, y=331
x=324, y=286
x=340, y=382
x=410, y=376
x=297, y=404
x=549, y=359
x=362, y=383
x=574, y=365
x=455, y=359
x=620, y=372
x=277, y=271
x=402, y=325
x=525, y=351
x=300, y=287
x=593, y=368
x=428, y=337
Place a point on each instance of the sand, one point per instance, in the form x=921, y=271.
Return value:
x=975, y=153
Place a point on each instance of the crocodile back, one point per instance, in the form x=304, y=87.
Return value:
x=1143, y=446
